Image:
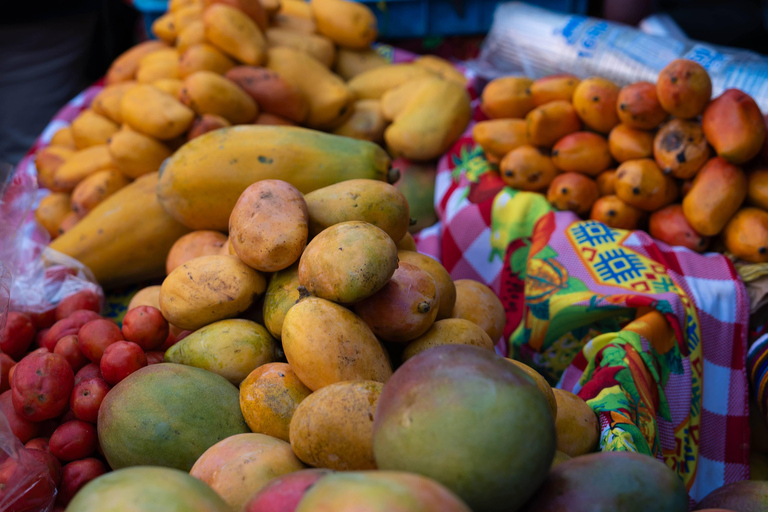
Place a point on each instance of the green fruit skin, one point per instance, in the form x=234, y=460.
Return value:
x=282, y=294
x=611, y=481
x=417, y=183
x=743, y=496
x=167, y=415
x=147, y=489
x=231, y=348
x=470, y=420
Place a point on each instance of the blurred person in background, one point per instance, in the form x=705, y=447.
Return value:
x=50, y=50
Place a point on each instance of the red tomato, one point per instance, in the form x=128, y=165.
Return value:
x=23, y=429
x=17, y=335
x=75, y=475
x=42, y=384
x=87, y=397
x=120, y=360
x=6, y=363
x=97, y=335
x=145, y=326
x=74, y=440
x=84, y=299
x=69, y=348
x=87, y=372
x=65, y=327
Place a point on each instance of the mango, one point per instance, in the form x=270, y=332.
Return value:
x=371, y=201
x=716, y=194
x=326, y=343
x=527, y=168
x=417, y=183
x=680, y=148
x=615, y=213
x=203, y=57
x=107, y=102
x=153, y=112
x=423, y=425
x=187, y=15
x=319, y=47
x=332, y=428
x=330, y=99
x=606, y=182
x=52, y=210
x=68, y=222
x=595, y=102
x=394, y=100
x=450, y=331
x=63, y=136
x=500, y=136
x=79, y=166
x=578, y=431
x=285, y=492
x=135, y=154
x=298, y=8
x=407, y=243
x=373, y=83
x=350, y=63
x=670, y=226
x=299, y=24
x=266, y=119
x=560, y=457
x=235, y=34
x=96, y=188
x=164, y=29
x=269, y=397
x=48, y=160
x=124, y=67
x=551, y=122
x=640, y=183
x=573, y=191
x=207, y=289
x=366, y=122
x=282, y=293
x=404, y=308
x=583, y=152
x=193, y=245
x=734, y=126
x=193, y=34
x=257, y=10
x=638, y=106
x=446, y=288
x=346, y=23
x=348, y=262
x=442, y=68
x=746, y=495
x=172, y=86
x=207, y=92
x=158, y=65
x=271, y=92
x=507, y=97
x=626, y=481
x=746, y=235
x=545, y=389
x=480, y=305
x=757, y=188
x=558, y=87
x=91, y=129
x=627, y=143
x=684, y=88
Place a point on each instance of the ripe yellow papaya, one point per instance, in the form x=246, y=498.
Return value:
x=126, y=238
x=200, y=184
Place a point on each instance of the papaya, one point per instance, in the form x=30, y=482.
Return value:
x=149, y=489
x=124, y=67
x=330, y=99
x=350, y=63
x=442, y=68
x=135, y=154
x=500, y=136
x=52, y=210
x=126, y=238
x=595, y=101
x=417, y=183
x=734, y=126
x=203, y=57
x=282, y=293
x=207, y=92
x=81, y=165
x=638, y=106
x=573, y=191
x=201, y=182
x=583, y=152
x=627, y=143
x=372, y=201
x=684, y=88
x=551, y=122
x=319, y=47
x=91, y=129
x=107, y=102
x=153, y=112
x=167, y=415
x=680, y=148
x=507, y=97
x=373, y=83
x=366, y=122
x=230, y=348
x=346, y=23
x=716, y=194
x=234, y=33
x=271, y=92
x=553, y=88
x=670, y=226
x=746, y=235
x=326, y=343
x=158, y=65
x=96, y=188
x=431, y=122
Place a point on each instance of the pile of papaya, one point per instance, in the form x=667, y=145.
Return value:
x=663, y=157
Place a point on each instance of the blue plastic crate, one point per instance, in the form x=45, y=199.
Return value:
x=150, y=11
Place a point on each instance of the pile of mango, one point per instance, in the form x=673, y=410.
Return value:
x=660, y=156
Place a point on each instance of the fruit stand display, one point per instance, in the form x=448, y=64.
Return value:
x=298, y=333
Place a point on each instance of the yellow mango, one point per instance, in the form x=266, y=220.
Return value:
x=442, y=68
x=209, y=93
x=394, y=100
x=346, y=23
x=319, y=47
x=372, y=84
x=156, y=113
x=52, y=210
x=91, y=129
x=125, y=66
x=350, y=63
x=234, y=33
x=204, y=57
x=158, y=65
x=96, y=188
x=164, y=29
x=193, y=34
x=107, y=102
x=81, y=165
x=135, y=154
x=366, y=123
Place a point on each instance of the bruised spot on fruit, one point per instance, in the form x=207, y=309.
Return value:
x=636, y=190
x=596, y=98
x=534, y=177
x=671, y=141
x=564, y=190
x=681, y=157
x=673, y=79
x=762, y=250
x=623, y=106
x=611, y=213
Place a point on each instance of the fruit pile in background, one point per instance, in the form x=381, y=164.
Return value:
x=661, y=156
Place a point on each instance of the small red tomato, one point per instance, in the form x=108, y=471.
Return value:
x=70, y=349
x=38, y=443
x=6, y=363
x=120, y=360
x=17, y=335
x=84, y=299
x=75, y=475
x=65, y=327
x=42, y=384
x=97, y=335
x=87, y=397
x=155, y=357
x=73, y=440
x=23, y=429
x=43, y=320
x=145, y=326
x=88, y=372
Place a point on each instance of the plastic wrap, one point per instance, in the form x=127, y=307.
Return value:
x=536, y=42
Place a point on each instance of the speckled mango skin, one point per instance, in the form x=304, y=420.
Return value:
x=327, y=343
x=348, y=262
x=282, y=294
x=333, y=427
x=446, y=290
x=230, y=348
x=451, y=331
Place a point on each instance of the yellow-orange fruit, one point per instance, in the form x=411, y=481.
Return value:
x=670, y=226
x=135, y=154
x=551, y=122
x=640, y=183
x=107, y=102
x=500, y=136
x=64, y=138
x=68, y=222
x=553, y=88
x=716, y=194
x=319, y=47
x=81, y=165
x=193, y=34
x=757, y=188
x=257, y=10
x=606, y=182
x=267, y=119
x=680, y=148
x=164, y=29
x=91, y=129
x=158, y=65
x=527, y=168
x=734, y=126
x=615, y=213
x=746, y=235
x=627, y=143
x=203, y=57
x=124, y=67
x=271, y=92
x=48, y=160
x=52, y=210
x=573, y=191
x=480, y=305
x=684, y=88
x=206, y=123
x=346, y=23
x=193, y=245
x=153, y=112
x=578, y=431
x=207, y=92
x=638, y=106
x=234, y=33
x=595, y=102
x=583, y=152
x=507, y=97
x=95, y=188
x=542, y=384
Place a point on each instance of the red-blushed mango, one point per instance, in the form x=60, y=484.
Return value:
x=684, y=88
x=311, y=333
x=234, y=33
x=626, y=481
x=680, y=148
x=595, y=102
x=626, y=143
x=746, y=235
x=583, y=152
x=124, y=67
x=757, y=188
x=606, y=182
x=670, y=226
x=206, y=123
x=551, y=122
x=716, y=194
x=638, y=106
x=333, y=427
x=480, y=305
x=446, y=289
x=744, y=495
x=734, y=126
x=527, y=168
x=573, y=191
x=268, y=398
x=500, y=136
x=193, y=245
x=404, y=308
x=240, y=465
x=615, y=213
x=283, y=493
x=507, y=97
x=640, y=183
x=553, y=88
x=450, y=331
x=207, y=92
x=578, y=431
x=271, y=92
x=423, y=425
